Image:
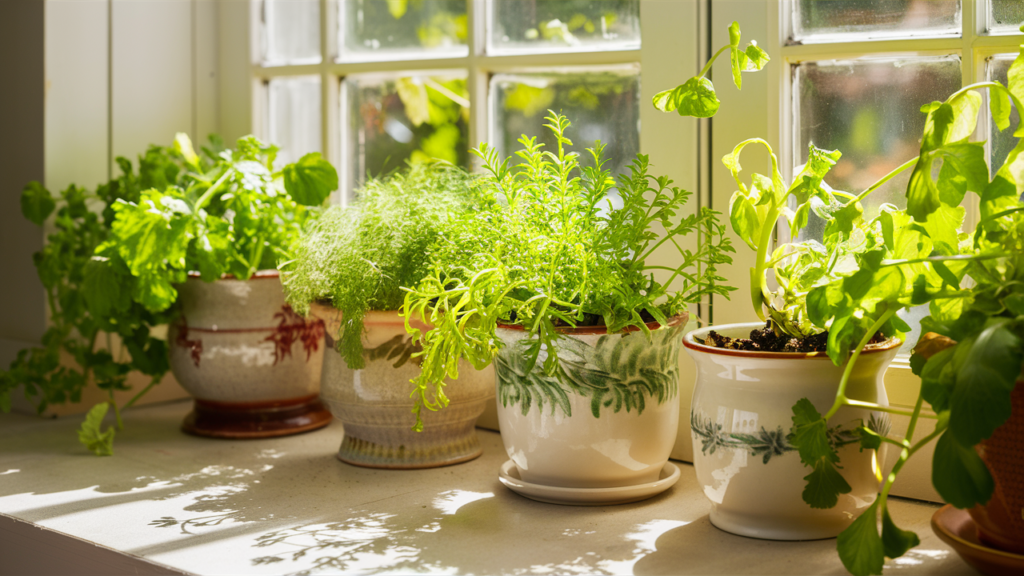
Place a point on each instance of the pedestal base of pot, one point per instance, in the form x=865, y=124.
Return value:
x=511, y=477
x=418, y=452
x=239, y=420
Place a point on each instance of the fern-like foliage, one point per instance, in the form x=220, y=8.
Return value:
x=550, y=249
x=359, y=256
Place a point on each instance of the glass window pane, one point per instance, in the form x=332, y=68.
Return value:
x=838, y=20
x=291, y=31
x=562, y=26
x=294, y=116
x=1001, y=142
x=394, y=118
x=869, y=109
x=602, y=104
x=1005, y=15
x=401, y=29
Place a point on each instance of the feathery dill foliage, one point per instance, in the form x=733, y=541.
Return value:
x=359, y=256
x=550, y=249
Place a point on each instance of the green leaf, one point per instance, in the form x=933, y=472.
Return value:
x=922, y=193
x=1015, y=303
x=1015, y=83
x=999, y=106
x=695, y=98
x=942, y=227
x=824, y=485
x=101, y=288
x=810, y=436
x=965, y=116
x=310, y=180
x=808, y=182
x=183, y=146
x=860, y=547
x=896, y=541
x=36, y=203
x=959, y=475
x=744, y=219
x=981, y=398
x=869, y=439
x=99, y=442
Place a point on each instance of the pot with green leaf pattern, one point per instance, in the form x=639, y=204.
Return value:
x=606, y=418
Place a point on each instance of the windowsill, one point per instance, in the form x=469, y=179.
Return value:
x=287, y=505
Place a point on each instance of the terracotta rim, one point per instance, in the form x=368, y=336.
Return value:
x=676, y=320
x=258, y=275
x=944, y=523
x=692, y=344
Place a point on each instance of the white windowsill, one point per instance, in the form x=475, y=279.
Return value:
x=171, y=501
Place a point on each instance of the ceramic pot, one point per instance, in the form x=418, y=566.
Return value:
x=374, y=404
x=740, y=421
x=1001, y=521
x=608, y=420
x=252, y=364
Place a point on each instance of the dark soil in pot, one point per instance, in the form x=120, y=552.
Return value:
x=766, y=340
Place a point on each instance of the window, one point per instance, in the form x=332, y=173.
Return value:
x=373, y=84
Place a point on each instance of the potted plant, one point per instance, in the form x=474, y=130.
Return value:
x=348, y=269
x=204, y=246
x=551, y=282
x=81, y=348
x=970, y=359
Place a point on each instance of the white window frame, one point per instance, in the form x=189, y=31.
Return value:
x=768, y=114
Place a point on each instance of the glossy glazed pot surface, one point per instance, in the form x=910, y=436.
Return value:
x=611, y=421
x=741, y=417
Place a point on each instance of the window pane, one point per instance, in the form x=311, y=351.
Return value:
x=563, y=26
x=602, y=105
x=291, y=31
x=1005, y=15
x=869, y=109
x=294, y=116
x=1002, y=142
x=394, y=118
x=837, y=20
x=401, y=29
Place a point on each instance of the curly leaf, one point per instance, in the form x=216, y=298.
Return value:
x=895, y=540
x=695, y=98
x=810, y=436
x=99, y=442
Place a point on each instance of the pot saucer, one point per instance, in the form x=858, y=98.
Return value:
x=509, y=476
x=956, y=528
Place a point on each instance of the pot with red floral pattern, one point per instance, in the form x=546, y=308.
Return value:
x=251, y=363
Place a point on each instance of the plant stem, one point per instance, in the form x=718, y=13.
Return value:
x=888, y=409
x=886, y=178
x=841, y=399
x=707, y=66
x=142, y=392
x=961, y=258
x=205, y=198
x=117, y=411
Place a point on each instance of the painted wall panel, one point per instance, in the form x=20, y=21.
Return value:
x=152, y=73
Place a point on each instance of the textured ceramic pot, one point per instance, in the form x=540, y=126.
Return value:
x=608, y=419
x=375, y=407
x=1001, y=521
x=252, y=364
x=741, y=417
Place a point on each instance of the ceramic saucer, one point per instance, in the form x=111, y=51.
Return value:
x=956, y=528
x=509, y=476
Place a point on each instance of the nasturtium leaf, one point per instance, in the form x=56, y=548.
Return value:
x=756, y=57
x=981, y=398
x=695, y=98
x=737, y=61
x=969, y=160
x=937, y=127
x=895, y=540
x=965, y=116
x=951, y=184
x=922, y=193
x=999, y=105
x=100, y=442
x=860, y=547
x=958, y=473
x=36, y=203
x=310, y=180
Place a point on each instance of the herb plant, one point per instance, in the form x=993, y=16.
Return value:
x=548, y=249
x=109, y=269
x=865, y=271
x=359, y=256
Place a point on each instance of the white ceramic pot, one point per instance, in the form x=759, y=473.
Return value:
x=374, y=403
x=251, y=363
x=740, y=420
x=609, y=420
